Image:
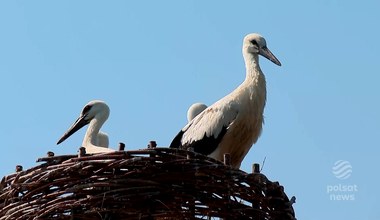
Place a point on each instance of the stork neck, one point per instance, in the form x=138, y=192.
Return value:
x=92, y=132
x=255, y=82
x=253, y=71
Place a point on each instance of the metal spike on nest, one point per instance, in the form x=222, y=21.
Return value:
x=154, y=183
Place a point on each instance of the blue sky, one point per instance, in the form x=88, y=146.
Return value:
x=151, y=60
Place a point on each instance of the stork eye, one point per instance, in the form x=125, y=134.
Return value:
x=86, y=109
x=254, y=42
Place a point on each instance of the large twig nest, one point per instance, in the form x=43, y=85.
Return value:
x=158, y=183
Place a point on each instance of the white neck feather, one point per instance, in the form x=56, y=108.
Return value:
x=255, y=81
x=90, y=138
x=252, y=66
x=90, y=141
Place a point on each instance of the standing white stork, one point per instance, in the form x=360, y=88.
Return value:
x=194, y=110
x=234, y=123
x=94, y=113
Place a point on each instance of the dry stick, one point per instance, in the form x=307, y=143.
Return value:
x=262, y=166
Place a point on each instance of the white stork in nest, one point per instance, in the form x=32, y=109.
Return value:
x=94, y=113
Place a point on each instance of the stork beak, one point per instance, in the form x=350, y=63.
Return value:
x=265, y=52
x=78, y=124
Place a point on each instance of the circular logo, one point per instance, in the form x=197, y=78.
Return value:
x=342, y=169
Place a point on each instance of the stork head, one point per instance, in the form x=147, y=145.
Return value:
x=255, y=44
x=95, y=109
x=194, y=110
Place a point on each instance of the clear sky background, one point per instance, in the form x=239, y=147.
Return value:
x=152, y=59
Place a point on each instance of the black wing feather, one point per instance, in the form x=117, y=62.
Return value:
x=205, y=146
x=176, y=142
